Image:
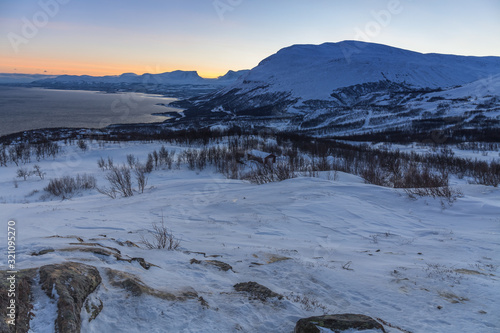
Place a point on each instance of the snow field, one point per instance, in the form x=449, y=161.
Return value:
x=353, y=248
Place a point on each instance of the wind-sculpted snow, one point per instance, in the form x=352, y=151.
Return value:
x=325, y=246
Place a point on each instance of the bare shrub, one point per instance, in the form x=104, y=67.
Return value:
x=23, y=173
x=375, y=175
x=487, y=174
x=67, y=186
x=110, y=162
x=163, y=238
x=131, y=160
x=37, y=171
x=101, y=163
x=141, y=177
x=82, y=145
x=450, y=195
x=307, y=302
x=149, y=163
x=120, y=181
x=265, y=173
x=422, y=182
x=166, y=157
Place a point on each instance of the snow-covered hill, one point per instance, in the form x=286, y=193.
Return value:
x=337, y=85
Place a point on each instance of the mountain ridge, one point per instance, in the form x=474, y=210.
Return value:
x=335, y=86
x=173, y=77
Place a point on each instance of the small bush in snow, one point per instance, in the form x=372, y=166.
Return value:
x=37, y=171
x=267, y=173
x=120, y=181
x=82, y=145
x=67, y=186
x=23, y=173
x=131, y=160
x=141, y=177
x=162, y=238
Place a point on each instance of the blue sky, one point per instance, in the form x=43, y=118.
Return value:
x=212, y=36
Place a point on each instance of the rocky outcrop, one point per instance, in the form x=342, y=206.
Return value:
x=102, y=250
x=337, y=323
x=73, y=282
x=257, y=291
x=133, y=285
x=216, y=263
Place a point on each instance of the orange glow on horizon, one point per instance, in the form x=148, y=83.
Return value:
x=61, y=67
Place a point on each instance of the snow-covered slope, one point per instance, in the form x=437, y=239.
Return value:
x=326, y=246
x=233, y=75
x=312, y=85
x=314, y=71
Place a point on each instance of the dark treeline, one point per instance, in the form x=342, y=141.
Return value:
x=432, y=136
x=226, y=149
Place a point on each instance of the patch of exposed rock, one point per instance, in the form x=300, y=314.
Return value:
x=136, y=287
x=216, y=263
x=102, y=250
x=256, y=291
x=73, y=282
x=337, y=323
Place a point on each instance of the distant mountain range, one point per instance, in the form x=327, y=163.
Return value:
x=174, y=84
x=353, y=87
x=168, y=78
x=14, y=78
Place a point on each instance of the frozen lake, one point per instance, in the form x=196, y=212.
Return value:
x=24, y=109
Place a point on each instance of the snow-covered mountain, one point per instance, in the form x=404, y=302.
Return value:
x=352, y=86
x=233, y=75
x=175, y=77
x=176, y=84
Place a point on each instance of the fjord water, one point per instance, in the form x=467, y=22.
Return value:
x=24, y=109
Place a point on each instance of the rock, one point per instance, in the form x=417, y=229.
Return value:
x=73, y=282
x=219, y=264
x=256, y=290
x=103, y=251
x=270, y=258
x=99, y=245
x=141, y=261
x=468, y=271
x=42, y=252
x=136, y=287
x=93, y=309
x=337, y=323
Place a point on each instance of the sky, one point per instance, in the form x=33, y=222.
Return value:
x=110, y=37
